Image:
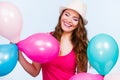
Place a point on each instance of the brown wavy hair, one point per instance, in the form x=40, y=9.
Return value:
x=79, y=40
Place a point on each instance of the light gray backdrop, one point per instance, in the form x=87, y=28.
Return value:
x=42, y=15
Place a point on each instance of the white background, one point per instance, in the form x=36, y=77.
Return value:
x=42, y=16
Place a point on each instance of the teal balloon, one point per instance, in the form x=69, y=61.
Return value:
x=8, y=58
x=102, y=52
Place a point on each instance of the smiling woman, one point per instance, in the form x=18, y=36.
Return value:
x=69, y=20
x=37, y=17
x=69, y=31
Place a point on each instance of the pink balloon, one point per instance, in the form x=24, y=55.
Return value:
x=87, y=76
x=40, y=47
x=10, y=21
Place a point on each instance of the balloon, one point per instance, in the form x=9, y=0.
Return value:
x=8, y=58
x=86, y=76
x=102, y=53
x=10, y=21
x=112, y=76
x=40, y=47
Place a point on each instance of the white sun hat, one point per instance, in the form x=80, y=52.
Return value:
x=77, y=5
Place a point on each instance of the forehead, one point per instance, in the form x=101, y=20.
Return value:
x=70, y=11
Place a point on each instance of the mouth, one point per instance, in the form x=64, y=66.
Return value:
x=67, y=25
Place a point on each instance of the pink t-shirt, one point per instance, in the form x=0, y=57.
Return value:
x=61, y=68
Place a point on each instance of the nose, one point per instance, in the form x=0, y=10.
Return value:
x=69, y=20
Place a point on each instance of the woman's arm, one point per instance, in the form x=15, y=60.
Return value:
x=32, y=68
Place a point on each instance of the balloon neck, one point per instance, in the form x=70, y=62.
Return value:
x=15, y=40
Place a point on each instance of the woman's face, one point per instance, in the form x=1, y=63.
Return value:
x=69, y=20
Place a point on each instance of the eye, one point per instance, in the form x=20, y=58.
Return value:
x=66, y=14
x=75, y=19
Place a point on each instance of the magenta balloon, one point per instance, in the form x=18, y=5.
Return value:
x=40, y=47
x=87, y=76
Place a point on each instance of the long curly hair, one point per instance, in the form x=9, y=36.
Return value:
x=79, y=40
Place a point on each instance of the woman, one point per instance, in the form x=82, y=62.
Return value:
x=72, y=36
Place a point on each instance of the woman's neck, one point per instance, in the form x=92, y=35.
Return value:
x=65, y=44
x=66, y=35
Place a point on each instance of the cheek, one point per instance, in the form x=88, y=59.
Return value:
x=61, y=22
x=63, y=17
x=75, y=24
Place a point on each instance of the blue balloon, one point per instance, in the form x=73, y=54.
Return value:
x=8, y=58
x=102, y=53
